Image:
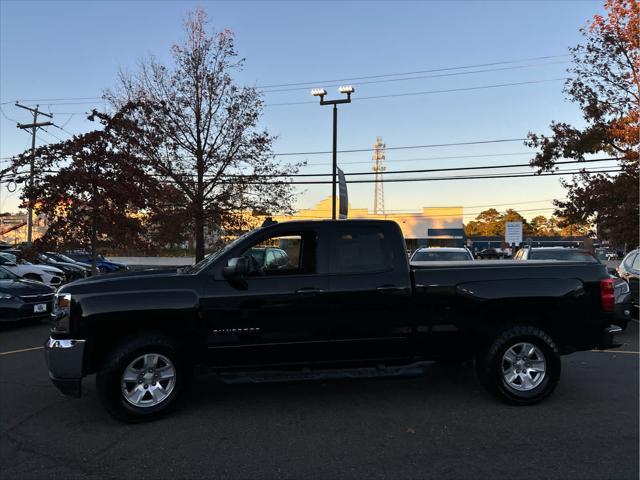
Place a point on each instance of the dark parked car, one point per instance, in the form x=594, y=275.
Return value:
x=347, y=298
x=102, y=264
x=72, y=271
x=23, y=299
x=489, y=253
x=269, y=258
x=556, y=253
x=63, y=258
x=629, y=270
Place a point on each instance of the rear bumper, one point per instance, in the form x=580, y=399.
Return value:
x=65, y=361
x=608, y=337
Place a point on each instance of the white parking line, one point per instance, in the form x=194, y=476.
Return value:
x=617, y=351
x=21, y=350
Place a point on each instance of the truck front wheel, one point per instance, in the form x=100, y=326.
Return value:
x=521, y=366
x=142, y=378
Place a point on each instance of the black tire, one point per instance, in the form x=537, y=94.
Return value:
x=489, y=365
x=108, y=378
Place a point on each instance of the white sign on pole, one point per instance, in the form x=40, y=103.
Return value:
x=513, y=233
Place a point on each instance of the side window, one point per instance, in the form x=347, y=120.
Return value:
x=282, y=255
x=636, y=263
x=629, y=262
x=361, y=250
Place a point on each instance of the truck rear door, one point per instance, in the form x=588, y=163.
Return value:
x=369, y=292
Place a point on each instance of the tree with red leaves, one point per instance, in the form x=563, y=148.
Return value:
x=605, y=84
x=91, y=189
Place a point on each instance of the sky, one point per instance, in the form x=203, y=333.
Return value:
x=74, y=49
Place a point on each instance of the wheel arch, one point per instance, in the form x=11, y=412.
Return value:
x=103, y=337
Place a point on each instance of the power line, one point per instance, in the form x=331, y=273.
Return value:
x=427, y=92
x=49, y=133
x=373, y=97
x=421, y=77
x=405, y=147
x=52, y=99
x=366, y=77
x=432, y=170
x=449, y=169
x=528, y=202
x=470, y=214
x=453, y=157
x=429, y=179
x=7, y=117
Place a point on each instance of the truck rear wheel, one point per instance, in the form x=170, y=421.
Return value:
x=142, y=378
x=521, y=366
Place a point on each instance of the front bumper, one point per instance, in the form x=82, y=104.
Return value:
x=65, y=359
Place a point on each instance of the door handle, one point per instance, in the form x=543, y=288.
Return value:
x=309, y=291
x=391, y=289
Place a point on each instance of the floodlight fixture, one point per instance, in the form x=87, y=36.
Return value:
x=318, y=92
x=346, y=89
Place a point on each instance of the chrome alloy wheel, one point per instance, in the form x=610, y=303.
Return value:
x=523, y=366
x=148, y=380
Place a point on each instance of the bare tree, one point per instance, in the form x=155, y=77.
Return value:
x=198, y=130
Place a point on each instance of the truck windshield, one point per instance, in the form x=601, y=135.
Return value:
x=441, y=257
x=212, y=257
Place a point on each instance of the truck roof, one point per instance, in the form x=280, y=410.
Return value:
x=363, y=221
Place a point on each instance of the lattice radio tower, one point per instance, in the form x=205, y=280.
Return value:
x=378, y=168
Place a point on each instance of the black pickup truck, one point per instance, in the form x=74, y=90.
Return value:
x=327, y=296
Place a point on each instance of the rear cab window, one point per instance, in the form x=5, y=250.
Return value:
x=367, y=247
x=362, y=250
x=368, y=253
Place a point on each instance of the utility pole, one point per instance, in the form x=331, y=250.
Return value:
x=34, y=127
x=321, y=92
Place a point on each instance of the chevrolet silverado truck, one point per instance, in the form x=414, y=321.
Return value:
x=328, y=296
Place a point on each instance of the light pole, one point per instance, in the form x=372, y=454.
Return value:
x=321, y=92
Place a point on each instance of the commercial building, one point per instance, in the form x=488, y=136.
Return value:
x=433, y=226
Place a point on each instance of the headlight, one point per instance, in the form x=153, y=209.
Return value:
x=6, y=296
x=61, y=311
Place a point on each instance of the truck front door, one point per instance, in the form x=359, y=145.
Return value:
x=281, y=315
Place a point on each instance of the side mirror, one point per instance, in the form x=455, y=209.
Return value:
x=235, y=271
x=612, y=271
x=236, y=267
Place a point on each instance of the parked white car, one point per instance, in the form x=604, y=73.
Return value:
x=426, y=255
x=42, y=273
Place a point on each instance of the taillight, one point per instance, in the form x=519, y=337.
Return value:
x=607, y=295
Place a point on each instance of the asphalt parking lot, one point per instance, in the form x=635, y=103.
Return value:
x=440, y=425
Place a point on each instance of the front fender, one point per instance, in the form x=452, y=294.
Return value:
x=136, y=303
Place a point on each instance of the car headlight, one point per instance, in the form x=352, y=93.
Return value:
x=62, y=312
x=6, y=296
